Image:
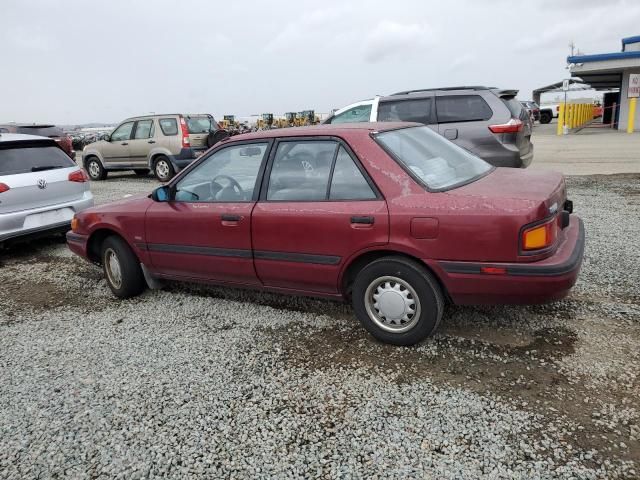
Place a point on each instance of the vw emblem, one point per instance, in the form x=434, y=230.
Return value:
x=42, y=184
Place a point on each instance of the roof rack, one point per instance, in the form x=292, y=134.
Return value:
x=468, y=87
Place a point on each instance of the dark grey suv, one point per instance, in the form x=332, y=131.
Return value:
x=488, y=122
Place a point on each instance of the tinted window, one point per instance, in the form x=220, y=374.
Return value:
x=32, y=159
x=347, y=182
x=514, y=106
x=200, y=124
x=169, y=126
x=229, y=175
x=360, y=113
x=143, y=130
x=123, y=132
x=433, y=160
x=301, y=171
x=462, y=108
x=42, y=130
x=406, y=111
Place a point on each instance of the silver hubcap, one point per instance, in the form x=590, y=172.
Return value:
x=392, y=304
x=162, y=169
x=94, y=169
x=112, y=266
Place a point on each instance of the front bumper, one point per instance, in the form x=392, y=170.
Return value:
x=15, y=225
x=521, y=283
x=77, y=243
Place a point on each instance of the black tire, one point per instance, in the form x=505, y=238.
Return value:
x=545, y=117
x=428, y=307
x=131, y=280
x=141, y=172
x=163, y=169
x=94, y=169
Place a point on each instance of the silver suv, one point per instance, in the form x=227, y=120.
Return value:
x=488, y=122
x=163, y=144
x=41, y=188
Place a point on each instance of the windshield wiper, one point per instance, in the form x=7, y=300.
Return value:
x=45, y=167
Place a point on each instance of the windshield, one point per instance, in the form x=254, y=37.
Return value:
x=432, y=159
x=202, y=124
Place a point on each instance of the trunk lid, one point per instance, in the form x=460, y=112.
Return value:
x=544, y=191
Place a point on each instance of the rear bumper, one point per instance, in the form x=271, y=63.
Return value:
x=522, y=283
x=505, y=155
x=186, y=156
x=14, y=225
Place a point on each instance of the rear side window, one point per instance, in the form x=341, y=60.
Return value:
x=43, y=131
x=514, y=106
x=358, y=114
x=406, y=111
x=301, y=171
x=32, y=159
x=347, y=182
x=169, y=126
x=462, y=108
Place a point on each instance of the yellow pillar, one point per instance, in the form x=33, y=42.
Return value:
x=561, y=119
x=582, y=114
x=571, y=112
x=632, y=115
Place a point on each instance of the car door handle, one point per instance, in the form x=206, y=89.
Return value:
x=451, y=133
x=230, y=218
x=125, y=143
x=362, y=220
x=151, y=141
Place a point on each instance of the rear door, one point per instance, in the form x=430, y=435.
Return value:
x=317, y=210
x=115, y=152
x=464, y=119
x=355, y=113
x=142, y=142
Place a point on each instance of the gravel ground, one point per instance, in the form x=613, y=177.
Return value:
x=214, y=382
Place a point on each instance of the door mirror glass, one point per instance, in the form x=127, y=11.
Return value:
x=161, y=194
x=106, y=137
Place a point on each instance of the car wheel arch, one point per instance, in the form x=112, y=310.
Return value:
x=355, y=264
x=97, y=238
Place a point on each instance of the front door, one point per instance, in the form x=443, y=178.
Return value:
x=318, y=209
x=116, y=152
x=141, y=143
x=204, y=231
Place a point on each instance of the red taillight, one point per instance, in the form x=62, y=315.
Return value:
x=185, y=133
x=78, y=176
x=512, y=126
x=4, y=187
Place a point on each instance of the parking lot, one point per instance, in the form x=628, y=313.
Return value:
x=233, y=383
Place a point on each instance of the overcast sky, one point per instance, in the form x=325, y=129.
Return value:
x=101, y=61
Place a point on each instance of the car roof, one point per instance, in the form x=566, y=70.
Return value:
x=154, y=115
x=22, y=137
x=324, y=130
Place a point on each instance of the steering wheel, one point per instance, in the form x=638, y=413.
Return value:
x=233, y=185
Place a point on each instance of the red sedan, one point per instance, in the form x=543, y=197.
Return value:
x=390, y=215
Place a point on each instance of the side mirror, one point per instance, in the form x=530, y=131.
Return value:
x=161, y=194
x=106, y=137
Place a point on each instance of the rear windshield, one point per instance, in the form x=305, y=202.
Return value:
x=514, y=106
x=42, y=130
x=203, y=124
x=32, y=159
x=434, y=161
